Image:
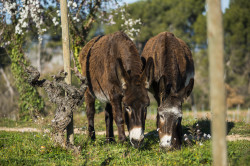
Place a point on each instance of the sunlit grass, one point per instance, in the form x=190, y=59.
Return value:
x=17, y=148
x=38, y=149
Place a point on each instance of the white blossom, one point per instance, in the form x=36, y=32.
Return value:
x=130, y=26
x=24, y=25
x=74, y=5
x=7, y=43
x=55, y=21
x=69, y=3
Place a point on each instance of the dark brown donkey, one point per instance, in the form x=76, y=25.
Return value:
x=173, y=82
x=115, y=76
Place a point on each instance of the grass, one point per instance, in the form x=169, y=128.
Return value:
x=241, y=128
x=37, y=149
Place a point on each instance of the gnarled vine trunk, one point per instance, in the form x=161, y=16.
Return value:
x=66, y=103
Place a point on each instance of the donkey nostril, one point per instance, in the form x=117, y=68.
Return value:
x=136, y=143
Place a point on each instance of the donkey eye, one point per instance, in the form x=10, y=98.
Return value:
x=161, y=116
x=127, y=108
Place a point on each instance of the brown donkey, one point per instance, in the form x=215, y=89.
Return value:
x=173, y=82
x=113, y=68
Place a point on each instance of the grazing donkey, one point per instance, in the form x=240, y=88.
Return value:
x=173, y=82
x=113, y=69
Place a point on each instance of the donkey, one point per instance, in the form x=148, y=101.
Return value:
x=172, y=82
x=113, y=69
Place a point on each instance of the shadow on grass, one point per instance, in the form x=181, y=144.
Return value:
x=152, y=138
x=205, y=126
x=19, y=161
x=107, y=161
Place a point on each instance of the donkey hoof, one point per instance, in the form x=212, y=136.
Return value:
x=110, y=140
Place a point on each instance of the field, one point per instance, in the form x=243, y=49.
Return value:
x=36, y=148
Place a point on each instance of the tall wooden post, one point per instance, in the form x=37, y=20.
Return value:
x=217, y=87
x=66, y=58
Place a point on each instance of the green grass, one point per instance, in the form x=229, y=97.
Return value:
x=240, y=128
x=41, y=123
x=4, y=122
x=18, y=148
x=37, y=149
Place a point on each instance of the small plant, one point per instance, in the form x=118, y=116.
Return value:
x=195, y=135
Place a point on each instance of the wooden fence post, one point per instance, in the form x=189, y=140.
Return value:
x=66, y=58
x=217, y=86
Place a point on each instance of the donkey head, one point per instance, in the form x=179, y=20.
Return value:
x=135, y=99
x=169, y=114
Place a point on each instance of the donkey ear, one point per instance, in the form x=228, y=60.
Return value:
x=185, y=92
x=143, y=60
x=121, y=73
x=189, y=88
x=162, y=84
x=164, y=88
x=148, y=72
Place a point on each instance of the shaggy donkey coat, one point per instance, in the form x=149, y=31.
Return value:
x=173, y=81
x=115, y=76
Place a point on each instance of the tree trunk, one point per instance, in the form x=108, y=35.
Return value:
x=66, y=59
x=39, y=46
x=217, y=86
x=10, y=89
x=65, y=103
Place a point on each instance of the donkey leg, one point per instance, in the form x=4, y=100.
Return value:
x=109, y=123
x=90, y=110
x=119, y=120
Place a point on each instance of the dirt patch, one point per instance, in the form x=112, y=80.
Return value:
x=237, y=137
x=24, y=129
x=29, y=129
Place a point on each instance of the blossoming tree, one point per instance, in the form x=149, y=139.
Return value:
x=20, y=17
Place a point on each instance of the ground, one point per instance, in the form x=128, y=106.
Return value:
x=34, y=147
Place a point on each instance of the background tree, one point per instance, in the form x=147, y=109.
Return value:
x=237, y=44
x=157, y=16
x=237, y=57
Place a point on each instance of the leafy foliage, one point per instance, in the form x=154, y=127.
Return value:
x=157, y=16
x=31, y=104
